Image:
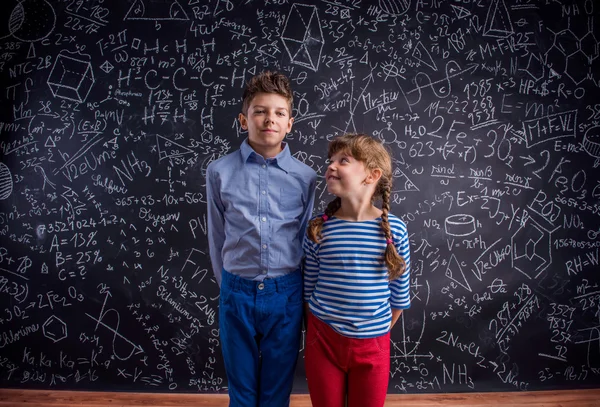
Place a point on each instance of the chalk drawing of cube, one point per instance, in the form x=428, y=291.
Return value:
x=302, y=36
x=71, y=78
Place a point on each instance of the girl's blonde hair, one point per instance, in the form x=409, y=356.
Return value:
x=373, y=155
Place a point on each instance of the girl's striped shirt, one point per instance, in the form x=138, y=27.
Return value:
x=345, y=276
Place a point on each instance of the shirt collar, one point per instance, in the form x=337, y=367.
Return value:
x=283, y=159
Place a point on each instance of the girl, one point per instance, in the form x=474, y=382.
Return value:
x=356, y=280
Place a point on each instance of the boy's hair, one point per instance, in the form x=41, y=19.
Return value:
x=373, y=155
x=267, y=82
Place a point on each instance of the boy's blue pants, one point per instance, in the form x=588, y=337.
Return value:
x=260, y=327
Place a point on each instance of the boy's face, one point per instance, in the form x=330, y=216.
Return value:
x=268, y=120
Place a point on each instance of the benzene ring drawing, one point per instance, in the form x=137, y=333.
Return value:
x=535, y=255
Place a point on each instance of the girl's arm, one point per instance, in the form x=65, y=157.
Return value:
x=311, y=268
x=400, y=288
x=395, y=315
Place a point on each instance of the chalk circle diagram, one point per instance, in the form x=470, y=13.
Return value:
x=460, y=225
x=28, y=20
x=591, y=144
x=394, y=7
x=6, y=182
x=387, y=135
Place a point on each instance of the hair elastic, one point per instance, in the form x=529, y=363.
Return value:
x=389, y=241
x=325, y=217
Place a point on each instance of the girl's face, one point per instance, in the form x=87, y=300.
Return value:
x=347, y=177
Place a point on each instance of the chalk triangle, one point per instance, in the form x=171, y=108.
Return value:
x=169, y=149
x=137, y=10
x=177, y=12
x=31, y=52
x=50, y=142
x=402, y=182
x=460, y=11
x=421, y=53
x=454, y=272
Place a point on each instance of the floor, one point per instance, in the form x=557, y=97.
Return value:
x=43, y=398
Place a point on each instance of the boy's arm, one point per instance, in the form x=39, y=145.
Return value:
x=310, y=203
x=216, y=224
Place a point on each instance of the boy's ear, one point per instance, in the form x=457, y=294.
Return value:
x=290, y=122
x=243, y=121
x=374, y=176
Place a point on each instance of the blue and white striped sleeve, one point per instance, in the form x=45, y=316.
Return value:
x=400, y=288
x=311, y=267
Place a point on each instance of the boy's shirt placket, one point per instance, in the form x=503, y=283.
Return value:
x=264, y=220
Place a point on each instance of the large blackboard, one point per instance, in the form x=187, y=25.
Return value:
x=111, y=111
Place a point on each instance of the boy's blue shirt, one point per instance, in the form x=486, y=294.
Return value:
x=258, y=210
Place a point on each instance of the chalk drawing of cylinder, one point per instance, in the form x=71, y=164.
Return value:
x=459, y=225
x=71, y=78
x=591, y=143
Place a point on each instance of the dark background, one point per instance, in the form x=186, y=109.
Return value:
x=111, y=111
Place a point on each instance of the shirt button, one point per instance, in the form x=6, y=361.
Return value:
x=261, y=286
x=264, y=271
x=264, y=166
x=264, y=192
x=263, y=219
x=264, y=246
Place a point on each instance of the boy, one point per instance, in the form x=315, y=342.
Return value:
x=259, y=201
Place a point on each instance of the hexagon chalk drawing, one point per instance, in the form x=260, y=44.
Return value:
x=531, y=249
x=54, y=329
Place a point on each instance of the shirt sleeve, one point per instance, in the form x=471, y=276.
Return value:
x=308, y=209
x=216, y=224
x=400, y=288
x=311, y=267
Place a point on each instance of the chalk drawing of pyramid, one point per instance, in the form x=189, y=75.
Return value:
x=497, y=22
x=402, y=183
x=156, y=11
